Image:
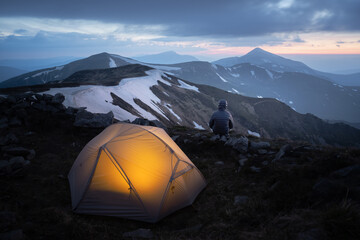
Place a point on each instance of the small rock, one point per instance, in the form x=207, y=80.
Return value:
x=29, y=133
x=274, y=186
x=8, y=139
x=197, y=135
x=215, y=138
x=223, y=138
x=284, y=149
x=259, y=145
x=255, y=169
x=143, y=122
x=219, y=163
x=31, y=154
x=242, y=161
x=262, y=151
x=265, y=163
x=186, y=141
x=61, y=176
x=18, y=162
x=139, y=233
x=241, y=200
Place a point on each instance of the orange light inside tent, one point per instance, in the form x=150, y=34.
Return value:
x=145, y=163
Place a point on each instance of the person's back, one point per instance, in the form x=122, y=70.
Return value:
x=221, y=121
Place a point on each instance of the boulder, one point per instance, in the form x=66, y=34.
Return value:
x=47, y=97
x=93, y=120
x=59, y=98
x=43, y=106
x=239, y=144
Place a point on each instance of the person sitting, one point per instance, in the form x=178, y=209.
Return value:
x=221, y=121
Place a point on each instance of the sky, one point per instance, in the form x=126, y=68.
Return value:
x=206, y=29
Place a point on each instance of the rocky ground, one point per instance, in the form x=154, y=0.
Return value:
x=257, y=188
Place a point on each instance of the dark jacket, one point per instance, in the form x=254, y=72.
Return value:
x=221, y=121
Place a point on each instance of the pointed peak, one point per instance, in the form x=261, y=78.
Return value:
x=259, y=51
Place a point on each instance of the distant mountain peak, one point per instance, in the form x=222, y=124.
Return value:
x=260, y=51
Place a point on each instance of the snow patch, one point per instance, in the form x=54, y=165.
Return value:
x=214, y=66
x=254, y=134
x=259, y=96
x=252, y=73
x=97, y=99
x=235, y=75
x=59, y=68
x=222, y=79
x=355, y=90
x=172, y=112
x=197, y=126
x=235, y=90
x=270, y=74
x=112, y=63
x=187, y=86
x=166, y=94
x=291, y=102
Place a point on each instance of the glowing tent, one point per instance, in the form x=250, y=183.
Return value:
x=132, y=171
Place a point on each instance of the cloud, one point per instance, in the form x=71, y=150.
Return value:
x=233, y=18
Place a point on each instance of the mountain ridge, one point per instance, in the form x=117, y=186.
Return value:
x=169, y=57
x=155, y=94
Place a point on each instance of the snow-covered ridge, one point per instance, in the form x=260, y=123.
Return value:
x=98, y=99
x=48, y=71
